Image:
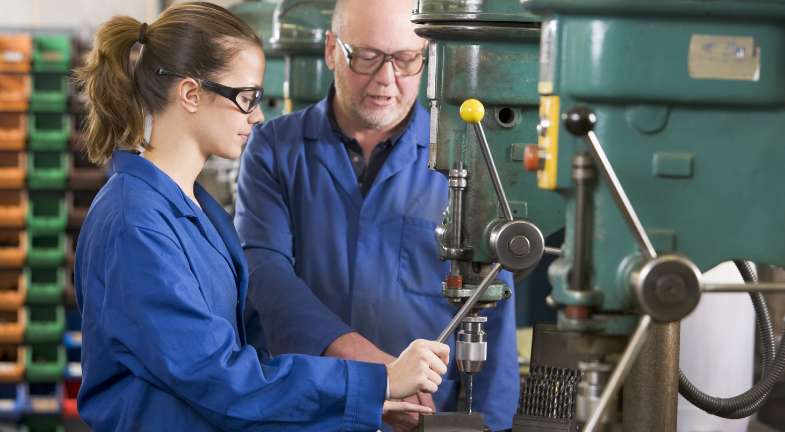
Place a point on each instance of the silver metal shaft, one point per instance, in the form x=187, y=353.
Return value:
x=553, y=251
x=469, y=392
x=497, y=183
x=456, y=320
x=619, y=373
x=581, y=165
x=614, y=186
x=457, y=206
x=730, y=288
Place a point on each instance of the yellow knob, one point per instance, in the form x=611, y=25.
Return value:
x=472, y=111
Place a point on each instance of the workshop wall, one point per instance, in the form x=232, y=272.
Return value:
x=59, y=14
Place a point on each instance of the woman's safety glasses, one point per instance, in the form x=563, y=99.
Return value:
x=368, y=61
x=246, y=98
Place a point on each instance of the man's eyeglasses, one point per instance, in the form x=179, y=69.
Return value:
x=368, y=61
x=246, y=98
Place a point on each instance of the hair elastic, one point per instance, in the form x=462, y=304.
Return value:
x=141, y=33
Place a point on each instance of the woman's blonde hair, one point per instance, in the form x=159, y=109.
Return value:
x=198, y=39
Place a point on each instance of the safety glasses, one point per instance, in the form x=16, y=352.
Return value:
x=368, y=61
x=246, y=98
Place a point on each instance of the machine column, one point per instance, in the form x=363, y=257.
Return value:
x=650, y=404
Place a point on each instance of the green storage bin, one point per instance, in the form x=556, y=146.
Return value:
x=44, y=362
x=47, y=213
x=38, y=414
x=58, y=428
x=46, y=249
x=51, y=53
x=49, y=92
x=45, y=324
x=49, y=131
x=46, y=285
x=55, y=428
x=47, y=170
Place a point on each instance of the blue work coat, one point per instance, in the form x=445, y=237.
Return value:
x=323, y=261
x=161, y=288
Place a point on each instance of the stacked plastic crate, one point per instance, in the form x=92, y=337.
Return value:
x=40, y=342
x=15, y=80
x=84, y=181
x=47, y=174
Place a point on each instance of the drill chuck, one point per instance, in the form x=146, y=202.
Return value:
x=471, y=347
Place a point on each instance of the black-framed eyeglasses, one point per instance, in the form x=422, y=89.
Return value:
x=368, y=61
x=246, y=98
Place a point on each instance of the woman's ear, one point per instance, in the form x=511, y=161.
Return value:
x=188, y=95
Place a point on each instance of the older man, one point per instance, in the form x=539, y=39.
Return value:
x=337, y=210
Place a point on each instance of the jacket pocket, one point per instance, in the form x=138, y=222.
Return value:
x=420, y=271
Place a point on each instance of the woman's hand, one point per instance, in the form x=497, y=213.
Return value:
x=418, y=369
x=396, y=414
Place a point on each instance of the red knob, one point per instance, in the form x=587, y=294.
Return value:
x=577, y=312
x=531, y=158
x=454, y=282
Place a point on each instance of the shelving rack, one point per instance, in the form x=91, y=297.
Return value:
x=46, y=187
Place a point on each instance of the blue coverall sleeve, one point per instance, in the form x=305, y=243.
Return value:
x=497, y=386
x=263, y=223
x=157, y=323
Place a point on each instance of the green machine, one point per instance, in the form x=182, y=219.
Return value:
x=259, y=15
x=483, y=67
x=660, y=125
x=299, y=28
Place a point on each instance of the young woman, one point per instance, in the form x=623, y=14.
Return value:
x=160, y=275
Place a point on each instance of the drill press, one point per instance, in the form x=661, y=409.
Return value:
x=496, y=216
x=644, y=106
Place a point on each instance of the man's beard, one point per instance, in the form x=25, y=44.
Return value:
x=372, y=118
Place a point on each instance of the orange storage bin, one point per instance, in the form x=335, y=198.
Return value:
x=13, y=208
x=12, y=363
x=13, y=248
x=14, y=92
x=79, y=202
x=69, y=294
x=16, y=52
x=70, y=255
x=13, y=130
x=83, y=174
x=13, y=169
x=13, y=289
x=12, y=326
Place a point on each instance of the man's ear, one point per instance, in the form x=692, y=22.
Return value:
x=329, y=50
x=188, y=95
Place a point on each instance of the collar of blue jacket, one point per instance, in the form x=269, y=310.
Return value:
x=316, y=125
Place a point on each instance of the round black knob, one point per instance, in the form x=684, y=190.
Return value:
x=579, y=120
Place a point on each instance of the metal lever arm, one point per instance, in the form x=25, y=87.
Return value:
x=619, y=373
x=456, y=320
x=749, y=287
x=472, y=111
x=579, y=121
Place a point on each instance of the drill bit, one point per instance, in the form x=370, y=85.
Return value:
x=469, y=392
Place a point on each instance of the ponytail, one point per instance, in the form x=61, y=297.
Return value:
x=115, y=113
x=197, y=39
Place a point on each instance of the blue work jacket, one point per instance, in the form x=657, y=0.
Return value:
x=323, y=261
x=161, y=288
